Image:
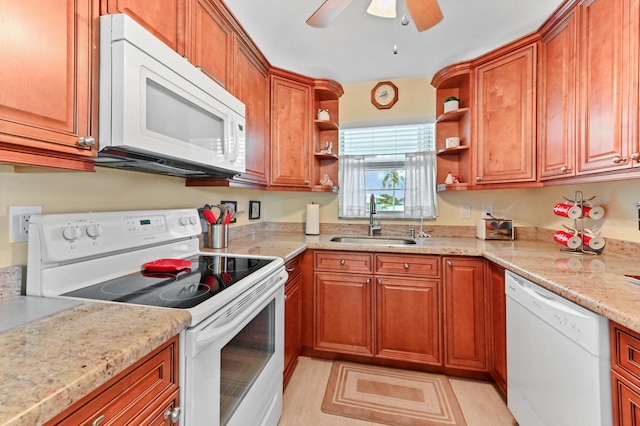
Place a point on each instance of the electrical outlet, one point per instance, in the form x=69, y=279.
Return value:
x=487, y=209
x=19, y=217
x=465, y=211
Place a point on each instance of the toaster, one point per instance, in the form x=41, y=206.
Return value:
x=494, y=229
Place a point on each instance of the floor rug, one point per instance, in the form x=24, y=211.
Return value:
x=391, y=396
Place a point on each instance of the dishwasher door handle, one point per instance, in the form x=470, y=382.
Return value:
x=550, y=301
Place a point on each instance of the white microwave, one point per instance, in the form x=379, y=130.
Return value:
x=159, y=113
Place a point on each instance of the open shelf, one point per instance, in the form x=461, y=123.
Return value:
x=452, y=115
x=326, y=124
x=453, y=151
x=326, y=156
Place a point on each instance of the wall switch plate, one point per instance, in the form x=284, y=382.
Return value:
x=487, y=210
x=19, y=217
x=465, y=211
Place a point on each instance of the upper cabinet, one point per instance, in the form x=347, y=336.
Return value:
x=47, y=108
x=608, y=91
x=505, y=117
x=290, y=132
x=326, y=95
x=557, y=65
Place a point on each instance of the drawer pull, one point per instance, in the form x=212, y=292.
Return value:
x=97, y=421
x=291, y=269
x=449, y=263
x=342, y=261
x=174, y=414
x=406, y=266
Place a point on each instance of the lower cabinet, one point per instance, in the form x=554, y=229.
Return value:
x=378, y=305
x=146, y=393
x=625, y=375
x=292, y=317
x=494, y=280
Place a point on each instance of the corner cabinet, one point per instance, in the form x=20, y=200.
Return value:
x=505, y=117
x=494, y=281
x=465, y=313
x=48, y=114
x=145, y=393
x=292, y=317
x=326, y=95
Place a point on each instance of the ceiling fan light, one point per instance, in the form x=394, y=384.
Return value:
x=382, y=8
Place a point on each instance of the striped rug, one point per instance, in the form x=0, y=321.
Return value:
x=391, y=396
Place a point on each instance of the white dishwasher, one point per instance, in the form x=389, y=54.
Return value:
x=558, y=362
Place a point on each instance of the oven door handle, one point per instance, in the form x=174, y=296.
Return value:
x=205, y=338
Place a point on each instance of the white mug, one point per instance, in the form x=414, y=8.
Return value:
x=452, y=142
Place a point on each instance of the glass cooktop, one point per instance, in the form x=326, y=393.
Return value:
x=184, y=288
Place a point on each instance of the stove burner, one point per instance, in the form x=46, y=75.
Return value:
x=180, y=293
x=145, y=282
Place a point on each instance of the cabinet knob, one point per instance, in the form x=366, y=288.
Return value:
x=306, y=181
x=478, y=178
x=368, y=281
x=286, y=297
x=342, y=261
x=87, y=141
x=565, y=169
x=98, y=421
x=635, y=156
x=619, y=159
x=291, y=269
x=449, y=263
x=406, y=266
x=173, y=414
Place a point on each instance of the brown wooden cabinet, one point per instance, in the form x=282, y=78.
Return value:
x=142, y=394
x=290, y=132
x=465, y=313
x=608, y=95
x=292, y=317
x=326, y=95
x=49, y=74
x=494, y=281
x=625, y=375
x=165, y=20
x=557, y=65
x=505, y=117
x=387, y=309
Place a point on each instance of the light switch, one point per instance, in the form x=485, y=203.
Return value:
x=465, y=211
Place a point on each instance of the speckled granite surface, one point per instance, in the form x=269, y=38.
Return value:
x=50, y=364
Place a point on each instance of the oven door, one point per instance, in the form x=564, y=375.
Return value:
x=234, y=363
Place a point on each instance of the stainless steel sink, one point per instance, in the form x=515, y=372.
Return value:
x=376, y=241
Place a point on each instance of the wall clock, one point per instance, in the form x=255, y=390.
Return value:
x=384, y=95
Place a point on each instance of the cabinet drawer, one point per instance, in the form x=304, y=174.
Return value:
x=293, y=267
x=407, y=265
x=343, y=261
x=130, y=394
x=625, y=351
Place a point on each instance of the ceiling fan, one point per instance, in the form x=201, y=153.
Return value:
x=425, y=13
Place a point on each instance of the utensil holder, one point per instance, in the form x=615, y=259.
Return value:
x=217, y=236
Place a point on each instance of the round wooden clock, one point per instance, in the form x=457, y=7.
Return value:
x=384, y=95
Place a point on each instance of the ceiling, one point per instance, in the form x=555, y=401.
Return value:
x=358, y=47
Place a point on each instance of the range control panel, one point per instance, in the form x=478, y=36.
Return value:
x=67, y=237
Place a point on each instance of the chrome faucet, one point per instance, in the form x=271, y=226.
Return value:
x=373, y=229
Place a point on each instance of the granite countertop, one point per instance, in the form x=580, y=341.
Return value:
x=49, y=364
x=595, y=282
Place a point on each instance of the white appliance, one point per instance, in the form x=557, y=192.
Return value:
x=160, y=114
x=231, y=355
x=558, y=362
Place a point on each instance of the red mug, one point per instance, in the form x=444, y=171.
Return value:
x=567, y=210
x=593, y=212
x=566, y=239
x=595, y=243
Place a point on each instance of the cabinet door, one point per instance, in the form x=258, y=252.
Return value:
x=506, y=118
x=603, y=95
x=165, y=19
x=292, y=319
x=209, y=41
x=343, y=313
x=465, y=313
x=626, y=401
x=408, y=319
x=291, y=133
x=46, y=81
x=557, y=100
x=495, y=282
x=251, y=86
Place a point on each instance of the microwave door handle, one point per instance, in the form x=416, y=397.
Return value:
x=233, y=154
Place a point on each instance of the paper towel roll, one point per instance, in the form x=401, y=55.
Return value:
x=313, y=219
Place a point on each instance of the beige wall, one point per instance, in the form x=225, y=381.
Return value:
x=118, y=190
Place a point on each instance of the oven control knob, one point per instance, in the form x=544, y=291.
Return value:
x=193, y=220
x=70, y=233
x=93, y=230
x=184, y=221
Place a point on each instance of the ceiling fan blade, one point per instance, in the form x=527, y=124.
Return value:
x=327, y=12
x=425, y=13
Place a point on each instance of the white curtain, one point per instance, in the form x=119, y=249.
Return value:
x=351, y=176
x=420, y=185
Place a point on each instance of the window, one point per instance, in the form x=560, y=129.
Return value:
x=381, y=155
